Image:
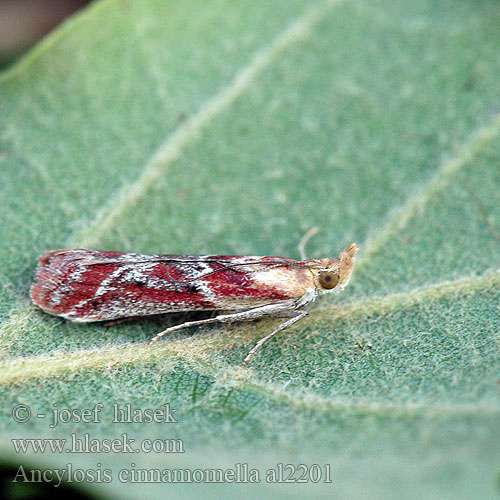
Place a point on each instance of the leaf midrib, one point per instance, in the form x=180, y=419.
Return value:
x=172, y=147
x=196, y=349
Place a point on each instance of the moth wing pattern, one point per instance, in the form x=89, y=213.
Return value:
x=91, y=285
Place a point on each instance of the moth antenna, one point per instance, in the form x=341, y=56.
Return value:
x=303, y=242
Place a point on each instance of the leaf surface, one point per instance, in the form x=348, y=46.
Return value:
x=234, y=127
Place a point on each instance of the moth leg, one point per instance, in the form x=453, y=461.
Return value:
x=187, y=324
x=257, y=312
x=298, y=315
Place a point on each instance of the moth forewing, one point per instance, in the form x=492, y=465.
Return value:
x=92, y=285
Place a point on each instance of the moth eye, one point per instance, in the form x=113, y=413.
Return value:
x=328, y=280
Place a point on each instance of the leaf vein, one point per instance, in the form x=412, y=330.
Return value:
x=198, y=349
x=173, y=145
x=400, y=217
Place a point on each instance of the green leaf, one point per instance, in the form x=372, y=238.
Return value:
x=234, y=127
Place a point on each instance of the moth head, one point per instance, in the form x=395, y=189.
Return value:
x=333, y=275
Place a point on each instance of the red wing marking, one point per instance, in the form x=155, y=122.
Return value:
x=90, y=285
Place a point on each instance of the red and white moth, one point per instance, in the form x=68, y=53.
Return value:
x=92, y=285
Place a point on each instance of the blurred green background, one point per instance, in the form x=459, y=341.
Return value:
x=24, y=22
x=234, y=127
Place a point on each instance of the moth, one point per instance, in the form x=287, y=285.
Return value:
x=84, y=285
